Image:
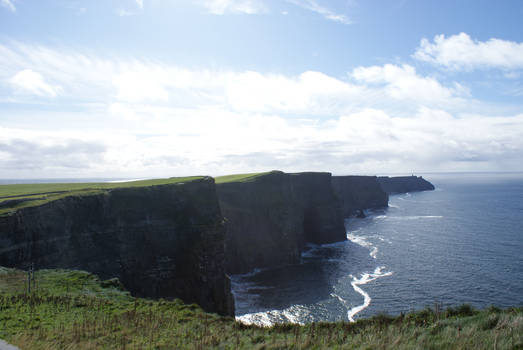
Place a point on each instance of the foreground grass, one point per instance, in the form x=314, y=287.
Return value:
x=75, y=310
x=14, y=197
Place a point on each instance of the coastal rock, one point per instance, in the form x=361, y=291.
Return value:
x=359, y=192
x=271, y=217
x=404, y=184
x=161, y=241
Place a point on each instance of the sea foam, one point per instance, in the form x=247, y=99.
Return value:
x=364, y=279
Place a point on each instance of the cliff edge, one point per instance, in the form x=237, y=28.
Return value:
x=403, y=184
x=161, y=241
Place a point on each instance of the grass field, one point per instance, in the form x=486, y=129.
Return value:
x=239, y=177
x=13, y=197
x=75, y=310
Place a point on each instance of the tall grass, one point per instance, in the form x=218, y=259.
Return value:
x=75, y=310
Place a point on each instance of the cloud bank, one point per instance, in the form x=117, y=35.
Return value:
x=107, y=116
x=462, y=52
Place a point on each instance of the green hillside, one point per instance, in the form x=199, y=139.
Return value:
x=75, y=310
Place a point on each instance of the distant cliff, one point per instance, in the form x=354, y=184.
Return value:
x=403, y=184
x=359, y=192
x=270, y=218
x=160, y=241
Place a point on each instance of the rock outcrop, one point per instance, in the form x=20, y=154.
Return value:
x=404, y=184
x=161, y=241
x=271, y=217
x=359, y=192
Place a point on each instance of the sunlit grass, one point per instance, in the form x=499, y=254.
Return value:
x=14, y=197
x=239, y=177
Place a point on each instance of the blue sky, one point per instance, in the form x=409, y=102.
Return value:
x=149, y=88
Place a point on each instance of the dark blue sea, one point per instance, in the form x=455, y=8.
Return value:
x=462, y=243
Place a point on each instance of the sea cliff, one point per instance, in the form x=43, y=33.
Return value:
x=270, y=217
x=161, y=241
x=357, y=193
x=178, y=238
x=404, y=184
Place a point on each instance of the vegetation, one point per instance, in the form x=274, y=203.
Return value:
x=75, y=310
x=14, y=197
x=239, y=177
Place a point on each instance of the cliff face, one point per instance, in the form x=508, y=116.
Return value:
x=403, y=184
x=358, y=193
x=323, y=219
x=160, y=241
x=271, y=217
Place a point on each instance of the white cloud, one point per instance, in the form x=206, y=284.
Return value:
x=403, y=83
x=220, y=7
x=461, y=51
x=312, y=5
x=309, y=93
x=8, y=4
x=34, y=83
x=170, y=141
x=139, y=3
x=137, y=117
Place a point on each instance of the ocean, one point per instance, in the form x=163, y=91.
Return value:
x=462, y=243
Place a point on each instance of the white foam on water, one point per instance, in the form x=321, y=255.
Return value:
x=292, y=314
x=394, y=206
x=357, y=282
x=374, y=252
x=362, y=241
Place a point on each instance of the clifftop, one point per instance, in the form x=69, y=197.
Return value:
x=403, y=184
x=14, y=197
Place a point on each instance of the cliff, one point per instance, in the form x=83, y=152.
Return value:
x=359, y=192
x=403, y=184
x=271, y=216
x=161, y=241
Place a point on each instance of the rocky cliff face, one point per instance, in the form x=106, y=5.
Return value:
x=359, y=192
x=160, y=241
x=323, y=219
x=403, y=184
x=271, y=217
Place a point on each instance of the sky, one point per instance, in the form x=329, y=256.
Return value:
x=160, y=88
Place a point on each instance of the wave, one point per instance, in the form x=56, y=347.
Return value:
x=362, y=241
x=357, y=282
x=293, y=314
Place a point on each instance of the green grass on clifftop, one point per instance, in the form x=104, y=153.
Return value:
x=13, y=197
x=239, y=177
x=75, y=310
